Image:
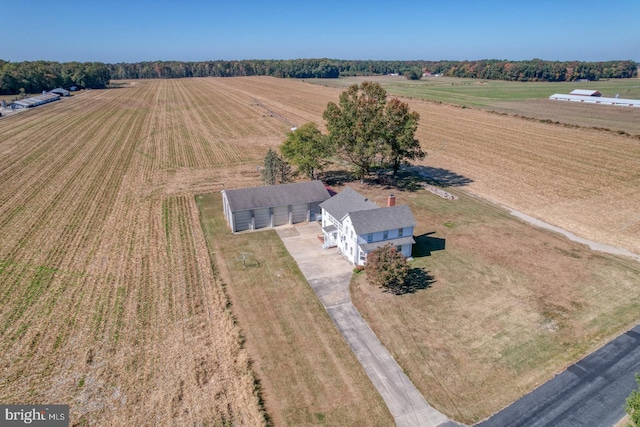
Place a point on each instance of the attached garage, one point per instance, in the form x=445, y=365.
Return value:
x=272, y=205
x=299, y=213
x=280, y=215
x=262, y=218
x=242, y=220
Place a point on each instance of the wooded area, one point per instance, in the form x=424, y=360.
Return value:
x=36, y=76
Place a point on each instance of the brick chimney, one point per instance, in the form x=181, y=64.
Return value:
x=391, y=201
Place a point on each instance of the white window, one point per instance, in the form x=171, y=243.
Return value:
x=400, y=232
x=370, y=237
x=385, y=235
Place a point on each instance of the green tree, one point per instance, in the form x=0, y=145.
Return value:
x=412, y=75
x=401, y=126
x=387, y=268
x=307, y=149
x=632, y=405
x=356, y=125
x=274, y=169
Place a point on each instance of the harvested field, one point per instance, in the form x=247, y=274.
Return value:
x=583, y=180
x=617, y=119
x=108, y=298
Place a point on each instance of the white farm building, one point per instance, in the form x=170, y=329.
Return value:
x=595, y=99
x=34, y=101
x=273, y=205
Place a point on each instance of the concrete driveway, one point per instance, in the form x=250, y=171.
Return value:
x=329, y=275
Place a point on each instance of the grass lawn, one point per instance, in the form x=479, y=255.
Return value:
x=485, y=93
x=309, y=376
x=509, y=305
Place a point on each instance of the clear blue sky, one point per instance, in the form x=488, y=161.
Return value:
x=187, y=30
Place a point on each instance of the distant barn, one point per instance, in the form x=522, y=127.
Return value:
x=620, y=102
x=585, y=92
x=273, y=205
x=34, y=101
x=60, y=91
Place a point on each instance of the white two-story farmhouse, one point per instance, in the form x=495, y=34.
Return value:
x=357, y=225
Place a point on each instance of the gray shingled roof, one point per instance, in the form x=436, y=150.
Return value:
x=369, y=221
x=242, y=199
x=348, y=200
x=395, y=242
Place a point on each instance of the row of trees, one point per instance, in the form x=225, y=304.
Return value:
x=297, y=68
x=532, y=70
x=365, y=129
x=36, y=76
x=535, y=70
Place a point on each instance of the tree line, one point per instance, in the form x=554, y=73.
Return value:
x=531, y=70
x=36, y=76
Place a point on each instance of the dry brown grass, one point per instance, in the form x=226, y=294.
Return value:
x=585, y=181
x=309, y=374
x=509, y=306
x=575, y=113
x=109, y=302
x=107, y=298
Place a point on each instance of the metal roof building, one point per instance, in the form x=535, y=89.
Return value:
x=60, y=91
x=585, y=92
x=34, y=101
x=596, y=100
x=273, y=205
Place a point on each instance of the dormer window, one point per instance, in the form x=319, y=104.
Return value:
x=369, y=237
x=399, y=232
x=385, y=235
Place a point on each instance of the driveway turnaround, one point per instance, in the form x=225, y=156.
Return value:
x=329, y=275
x=591, y=392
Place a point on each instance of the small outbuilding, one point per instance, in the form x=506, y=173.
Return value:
x=585, y=92
x=273, y=205
x=60, y=91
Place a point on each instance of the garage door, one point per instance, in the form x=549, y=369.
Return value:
x=314, y=209
x=262, y=218
x=280, y=215
x=299, y=212
x=242, y=220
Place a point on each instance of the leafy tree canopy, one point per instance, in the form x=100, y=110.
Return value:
x=387, y=268
x=632, y=405
x=274, y=169
x=307, y=149
x=356, y=125
x=366, y=130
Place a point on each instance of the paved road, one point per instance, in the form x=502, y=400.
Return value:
x=329, y=275
x=590, y=393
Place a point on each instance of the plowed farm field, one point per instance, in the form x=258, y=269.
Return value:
x=108, y=299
